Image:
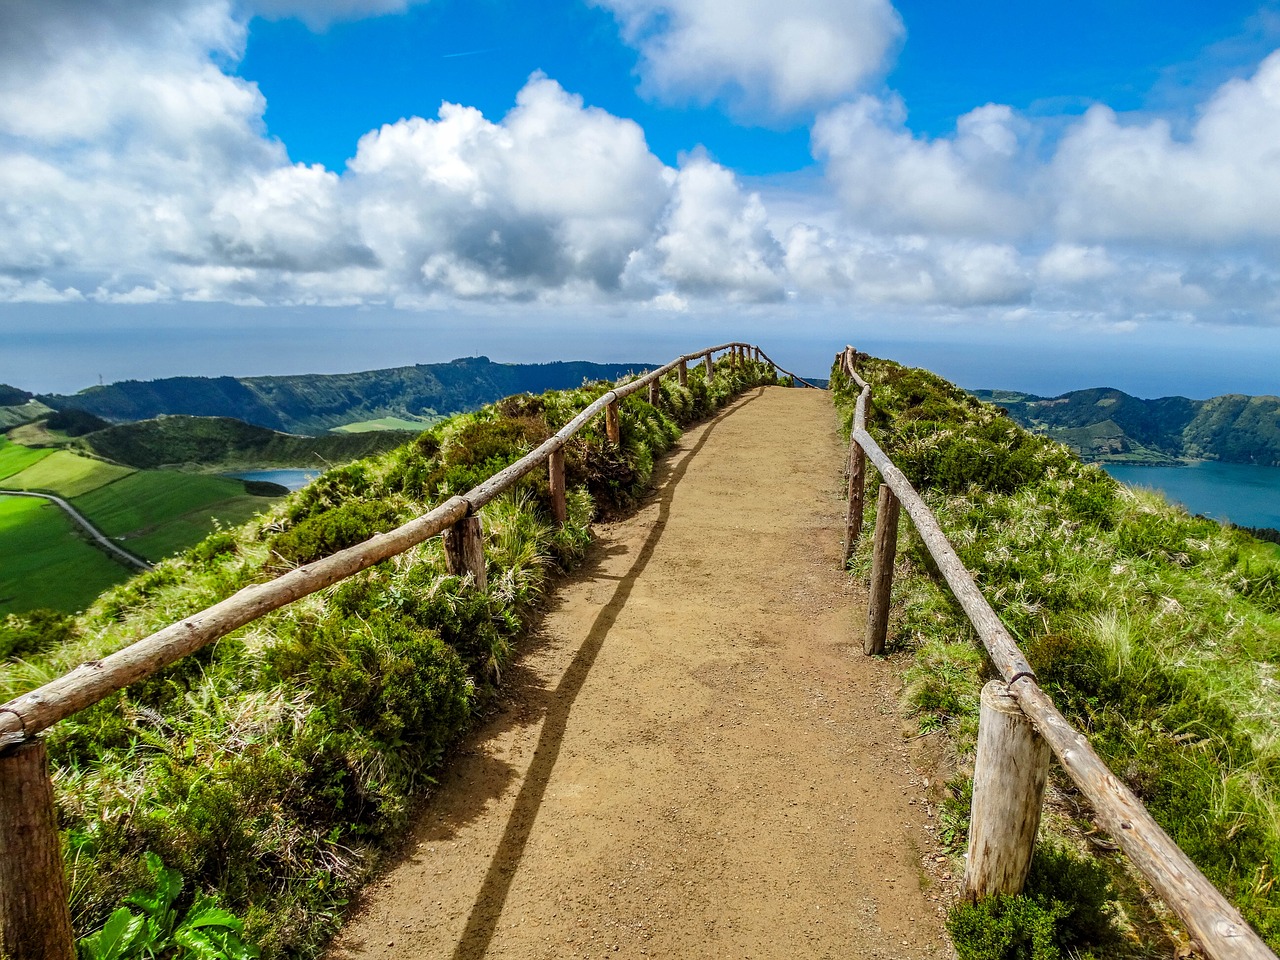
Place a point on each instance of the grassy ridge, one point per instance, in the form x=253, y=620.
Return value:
x=45, y=563
x=181, y=441
x=1107, y=424
x=316, y=403
x=1155, y=632
x=272, y=768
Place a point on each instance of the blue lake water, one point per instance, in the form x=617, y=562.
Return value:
x=293, y=479
x=1243, y=493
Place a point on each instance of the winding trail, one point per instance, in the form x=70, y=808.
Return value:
x=98, y=537
x=692, y=758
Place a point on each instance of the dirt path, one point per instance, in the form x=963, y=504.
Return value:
x=694, y=759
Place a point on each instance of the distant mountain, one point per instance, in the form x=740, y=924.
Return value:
x=315, y=403
x=182, y=441
x=1110, y=425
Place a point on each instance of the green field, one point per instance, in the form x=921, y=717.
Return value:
x=155, y=513
x=388, y=423
x=45, y=564
x=14, y=458
x=66, y=474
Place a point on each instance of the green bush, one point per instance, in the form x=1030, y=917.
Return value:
x=1065, y=911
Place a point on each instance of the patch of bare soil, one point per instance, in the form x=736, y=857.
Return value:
x=693, y=757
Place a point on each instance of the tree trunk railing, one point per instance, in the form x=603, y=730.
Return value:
x=34, y=919
x=1010, y=763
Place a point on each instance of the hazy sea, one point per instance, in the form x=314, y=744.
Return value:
x=1244, y=493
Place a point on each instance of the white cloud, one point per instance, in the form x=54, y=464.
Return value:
x=779, y=58
x=891, y=180
x=1136, y=181
x=715, y=238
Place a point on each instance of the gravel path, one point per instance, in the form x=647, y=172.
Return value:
x=693, y=758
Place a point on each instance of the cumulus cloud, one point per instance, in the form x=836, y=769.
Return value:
x=136, y=168
x=779, y=58
x=889, y=179
x=1137, y=181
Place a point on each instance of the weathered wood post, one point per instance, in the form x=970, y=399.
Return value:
x=35, y=923
x=464, y=550
x=655, y=392
x=733, y=357
x=1008, y=794
x=886, y=548
x=612, y=426
x=555, y=472
x=682, y=373
x=857, y=493
x=710, y=367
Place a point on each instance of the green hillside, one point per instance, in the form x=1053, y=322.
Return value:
x=1103, y=424
x=184, y=441
x=316, y=403
x=1154, y=631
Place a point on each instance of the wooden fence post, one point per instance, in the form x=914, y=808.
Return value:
x=711, y=370
x=464, y=550
x=655, y=392
x=35, y=923
x=886, y=548
x=612, y=426
x=857, y=494
x=555, y=472
x=1008, y=794
x=733, y=358
x=682, y=373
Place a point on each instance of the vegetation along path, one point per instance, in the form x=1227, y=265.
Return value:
x=694, y=758
x=98, y=537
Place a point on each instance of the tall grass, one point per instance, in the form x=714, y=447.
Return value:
x=1156, y=633
x=272, y=768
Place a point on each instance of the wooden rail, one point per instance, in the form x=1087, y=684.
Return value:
x=34, y=921
x=1006, y=814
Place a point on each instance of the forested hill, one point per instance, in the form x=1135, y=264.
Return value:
x=314, y=403
x=1110, y=425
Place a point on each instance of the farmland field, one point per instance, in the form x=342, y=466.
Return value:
x=45, y=563
x=14, y=458
x=66, y=474
x=155, y=513
x=388, y=423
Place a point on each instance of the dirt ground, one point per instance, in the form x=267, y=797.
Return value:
x=692, y=758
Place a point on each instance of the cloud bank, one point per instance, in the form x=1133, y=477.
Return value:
x=136, y=167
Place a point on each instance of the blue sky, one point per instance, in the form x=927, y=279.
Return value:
x=1024, y=195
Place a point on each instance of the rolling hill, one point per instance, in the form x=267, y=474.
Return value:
x=1104, y=424
x=316, y=403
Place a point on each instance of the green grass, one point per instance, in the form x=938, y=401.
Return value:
x=45, y=563
x=181, y=532
x=388, y=423
x=67, y=474
x=1156, y=633
x=14, y=458
x=155, y=513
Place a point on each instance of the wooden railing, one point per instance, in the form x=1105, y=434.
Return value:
x=1018, y=718
x=35, y=922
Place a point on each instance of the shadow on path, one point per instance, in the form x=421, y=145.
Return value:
x=492, y=898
